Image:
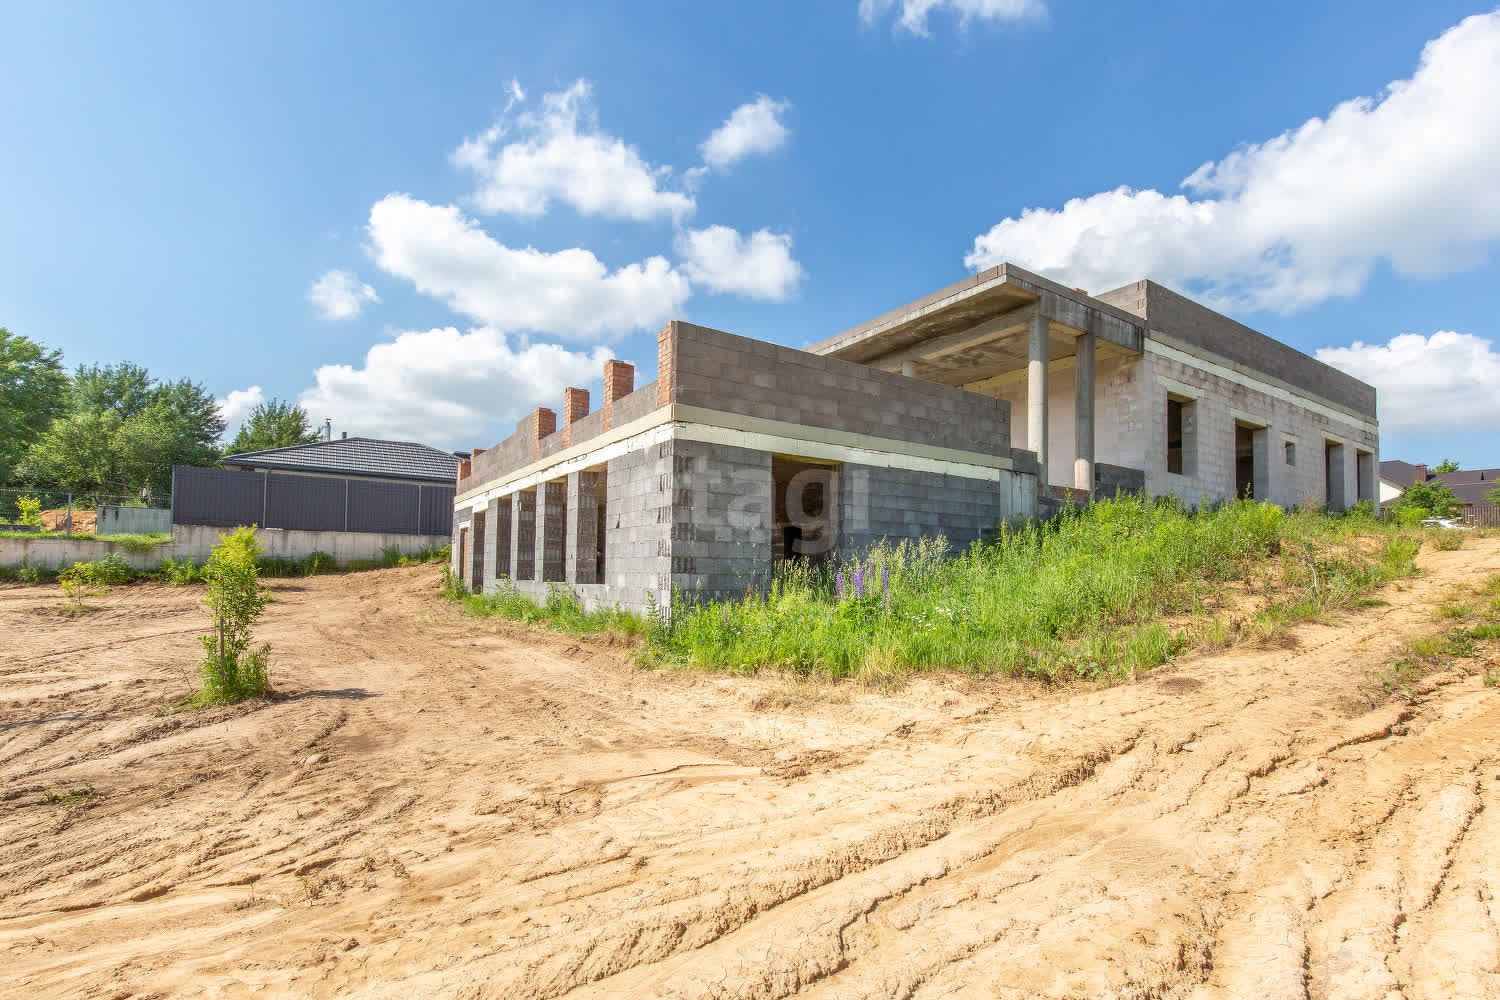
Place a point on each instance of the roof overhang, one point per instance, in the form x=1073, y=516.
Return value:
x=976, y=329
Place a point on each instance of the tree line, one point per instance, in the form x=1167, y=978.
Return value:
x=116, y=429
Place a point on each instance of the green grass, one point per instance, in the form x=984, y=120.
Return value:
x=113, y=571
x=70, y=797
x=1104, y=591
x=561, y=611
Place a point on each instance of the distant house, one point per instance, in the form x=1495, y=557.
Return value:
x=358, y=457
x=360, y=485
x=1468, y=486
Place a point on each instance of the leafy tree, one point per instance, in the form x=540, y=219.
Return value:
x=1492, y=496
x=273, y=424
x=1432, y=497
x=1446, y=466
x=81, y=450
x=124, y=389
x=124, y=431
x=33, y=387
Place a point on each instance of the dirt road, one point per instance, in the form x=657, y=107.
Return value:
x=445, y=807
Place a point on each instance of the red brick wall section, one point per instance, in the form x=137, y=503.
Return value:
x=619, y=382
x=575, y=407
x=665, y=353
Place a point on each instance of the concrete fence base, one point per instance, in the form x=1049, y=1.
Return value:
x=196, y=542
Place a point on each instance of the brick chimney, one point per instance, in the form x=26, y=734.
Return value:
x=1421, y=473
x=619, y=382
x=537, y=424
x=575, y=408
x=464, y=465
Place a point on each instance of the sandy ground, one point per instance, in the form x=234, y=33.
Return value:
x=443, y=807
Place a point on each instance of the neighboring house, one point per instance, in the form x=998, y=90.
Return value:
x=985, y=401
x=1468, y=486
x=351, y=484
x=357, y=457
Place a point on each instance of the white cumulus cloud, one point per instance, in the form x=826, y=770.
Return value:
x=750, y=129
x=758, y=267
x=1407, y=178
x=236, y=406
x=1446, y=383
x=559, y=153
x=911, y=15
x=448, y=388
x=567, y=293
x=340, y=295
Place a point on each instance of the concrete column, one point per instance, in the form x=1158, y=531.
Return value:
x=909, y=369
x=1083, y=414
x=1036, y=394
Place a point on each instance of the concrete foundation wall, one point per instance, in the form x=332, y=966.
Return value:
x=196, y=542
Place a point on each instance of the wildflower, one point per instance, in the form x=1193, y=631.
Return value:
x=726, y=615
x=838, y=585
x=859, y=581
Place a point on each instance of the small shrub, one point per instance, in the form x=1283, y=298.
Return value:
x=234, y=599
x=27, y=573
x=30, y=509
x=111, y=571
x=1462, y=610
x=178, y=572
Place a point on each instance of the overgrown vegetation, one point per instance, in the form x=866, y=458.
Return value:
x=1101, y=592
x=234, y=599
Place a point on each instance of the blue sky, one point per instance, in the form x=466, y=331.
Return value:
x=422, y=222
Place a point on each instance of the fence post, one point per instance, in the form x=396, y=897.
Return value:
x=68, y=524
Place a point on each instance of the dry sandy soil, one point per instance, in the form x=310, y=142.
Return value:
x=445, y=807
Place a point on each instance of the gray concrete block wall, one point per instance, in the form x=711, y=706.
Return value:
x=634, y=406
x=638, y=525
x=721, y=520
x=1213, y=473
x=1180, y=317
x=721, y=371
x=895, y=504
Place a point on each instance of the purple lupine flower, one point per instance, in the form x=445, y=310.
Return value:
x=838, y=585
x=859, y=581
x=885, y=583
x=726, y=616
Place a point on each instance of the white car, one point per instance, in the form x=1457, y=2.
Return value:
x=1446, y=523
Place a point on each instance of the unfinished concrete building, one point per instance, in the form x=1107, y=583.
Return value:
x=743, y=453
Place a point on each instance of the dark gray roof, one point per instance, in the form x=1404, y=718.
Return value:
x=1400, y=472
x=357, y=457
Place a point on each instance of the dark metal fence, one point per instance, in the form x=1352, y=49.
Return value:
x=223, y=498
